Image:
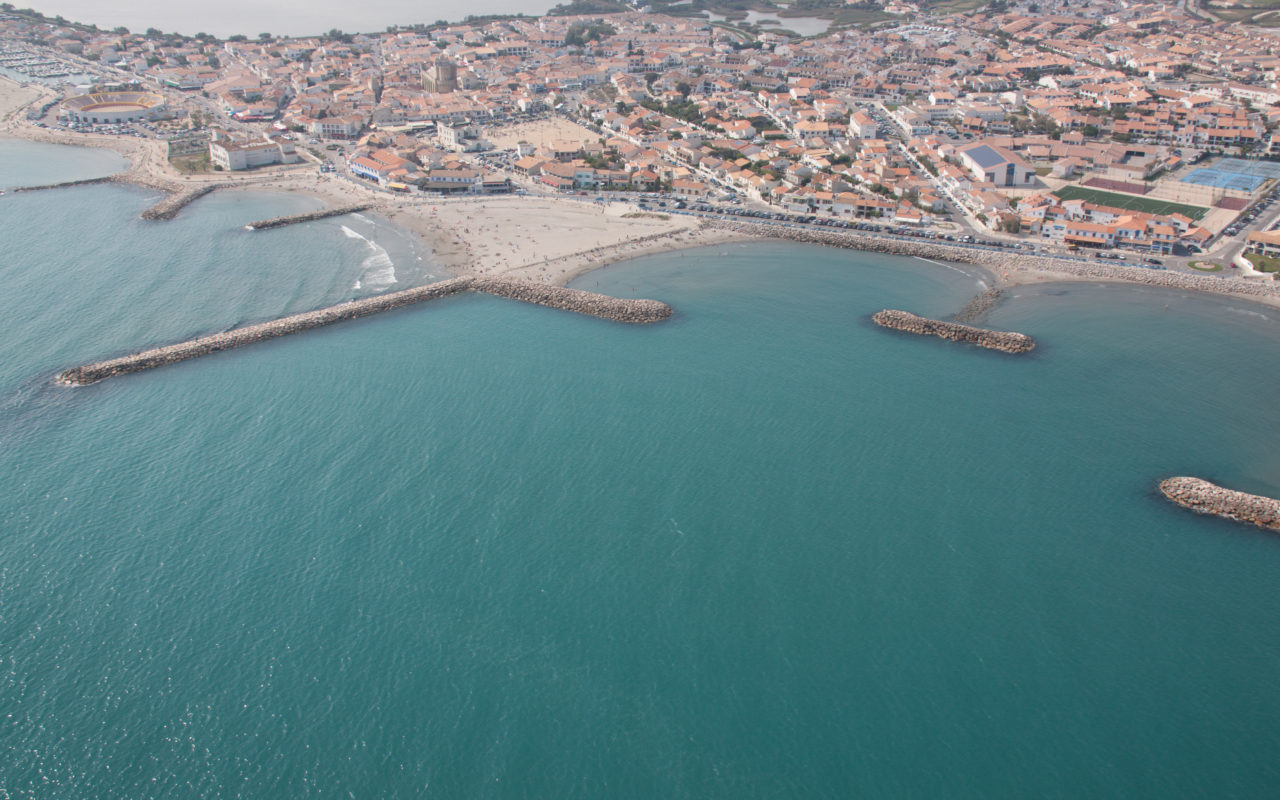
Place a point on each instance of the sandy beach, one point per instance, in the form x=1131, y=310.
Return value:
x=548, y=240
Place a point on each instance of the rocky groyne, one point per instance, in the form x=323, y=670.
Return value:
x=67, y=184
x=293, y=219
x=576, y=300
x=1000, y=262
x=598, y=305
x=169, y=207
x=1004, y=341
x=1204, y=497
x=239, y=337
x=176, y=196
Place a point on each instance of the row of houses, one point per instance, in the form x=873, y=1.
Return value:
x=386, y=168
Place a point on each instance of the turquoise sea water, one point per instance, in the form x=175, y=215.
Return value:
x=482, y=549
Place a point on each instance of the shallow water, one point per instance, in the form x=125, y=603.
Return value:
x=480, y=548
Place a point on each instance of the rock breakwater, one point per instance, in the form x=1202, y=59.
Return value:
x=576, y=300
x=172, y=354
x=293, y=219
x=66, y=184
x=1004, y=341
x=169, y=207
x=1204, y=497
x=632, y=311
x=177, y=196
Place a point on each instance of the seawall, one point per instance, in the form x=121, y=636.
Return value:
x=1004, y=341
x=293, y=219
x=1204, y=497
x=598, y=305
x=997, y=261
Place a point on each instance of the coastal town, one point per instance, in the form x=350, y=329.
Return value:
x=1088, y=131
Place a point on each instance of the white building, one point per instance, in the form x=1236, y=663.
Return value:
x=996, y=165
x=231, y=155
x=863, y=126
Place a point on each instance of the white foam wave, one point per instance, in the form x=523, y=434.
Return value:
x=1248, y=312
x=377, y=271
x=948, y=266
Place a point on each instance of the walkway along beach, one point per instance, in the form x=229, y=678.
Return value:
x=576, y=300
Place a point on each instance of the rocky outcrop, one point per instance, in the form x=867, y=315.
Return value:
x=598, y=305
x=293, y=219
x=1004, y=341
x=1204, y=497
x=576, y=300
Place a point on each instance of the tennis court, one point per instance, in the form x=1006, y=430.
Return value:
x=1234, y=173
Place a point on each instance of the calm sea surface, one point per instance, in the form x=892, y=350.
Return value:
x=281, y=17
x=482, y=549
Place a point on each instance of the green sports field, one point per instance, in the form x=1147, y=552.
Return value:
x=1131, y=202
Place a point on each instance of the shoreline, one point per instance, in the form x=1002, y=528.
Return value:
x=1010, y=270
x=555, y=240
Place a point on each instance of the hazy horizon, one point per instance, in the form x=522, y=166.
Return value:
x=280, y=17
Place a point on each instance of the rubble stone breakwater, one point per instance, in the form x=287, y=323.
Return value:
x=1000, y=261
x=633, y=311
x=169, y=207
x=1204, y=497
x=1004, y=341
x=596, y=305
x=293, y=219
x=177, y=196
x=238, y=337
x=66, y=184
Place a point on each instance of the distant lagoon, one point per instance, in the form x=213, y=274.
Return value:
x=281, y=17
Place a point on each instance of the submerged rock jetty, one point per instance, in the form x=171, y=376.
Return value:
x=293, y=219
x=1004, y=341
x=598, y=305
x=1204, y=497
x=976, y=310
